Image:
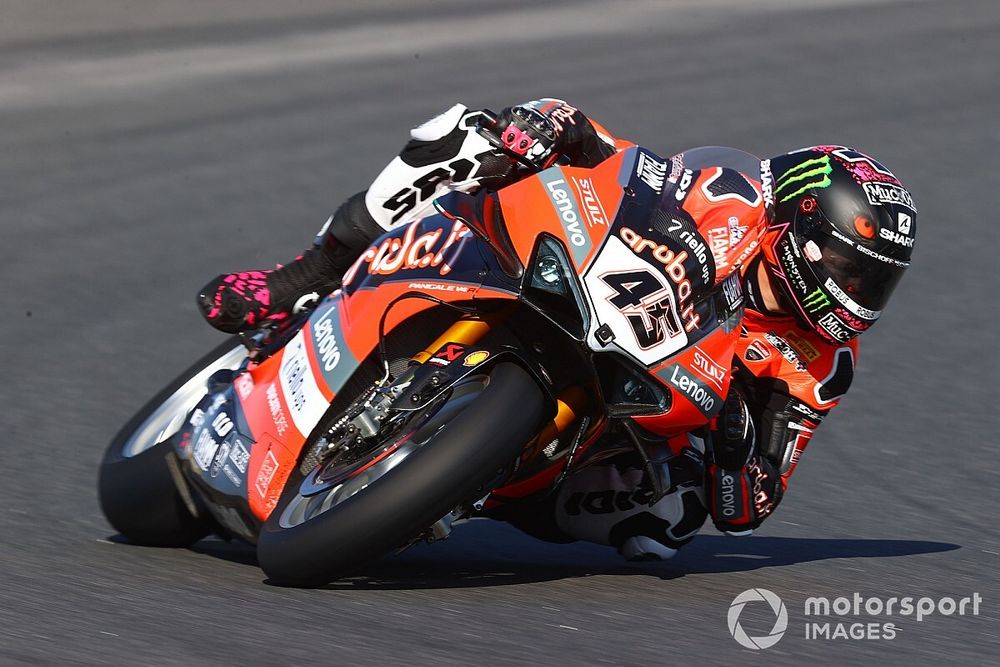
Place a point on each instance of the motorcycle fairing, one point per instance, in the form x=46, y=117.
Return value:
x=217, y=444
x=649, y=276
x=611, y=209
x=283, y=398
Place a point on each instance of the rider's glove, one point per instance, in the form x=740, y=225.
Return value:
x=743, y=486
x=538, y=133
x=526, y=134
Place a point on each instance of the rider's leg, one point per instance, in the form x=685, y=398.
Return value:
x=607, y=502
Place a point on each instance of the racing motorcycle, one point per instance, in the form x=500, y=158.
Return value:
x=469, y=362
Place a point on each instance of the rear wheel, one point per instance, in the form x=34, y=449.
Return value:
x=343, y=514
x=135, y=485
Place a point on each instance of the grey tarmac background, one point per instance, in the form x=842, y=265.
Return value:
x=145, y=147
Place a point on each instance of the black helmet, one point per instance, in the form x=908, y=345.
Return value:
x=841, y=235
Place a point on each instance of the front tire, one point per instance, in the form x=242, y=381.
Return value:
x=456, y=462
x=137, y=492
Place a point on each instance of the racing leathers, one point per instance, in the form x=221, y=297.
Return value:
x=785, y=379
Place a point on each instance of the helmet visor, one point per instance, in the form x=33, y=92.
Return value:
x=859, y=278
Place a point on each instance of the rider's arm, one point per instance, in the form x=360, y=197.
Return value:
x=450, y=152
x=457, y=150
x=783, y=388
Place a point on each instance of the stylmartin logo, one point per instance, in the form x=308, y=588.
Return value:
x=780, y=620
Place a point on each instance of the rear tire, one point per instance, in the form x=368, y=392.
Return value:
x=137, y=492
x=452, y=467
x=141, y=501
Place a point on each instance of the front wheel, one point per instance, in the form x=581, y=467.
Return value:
x=440, y=459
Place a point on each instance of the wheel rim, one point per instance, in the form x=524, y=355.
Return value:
x=169, y=415
x=315, y=497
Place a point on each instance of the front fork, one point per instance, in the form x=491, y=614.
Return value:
x=570, y=404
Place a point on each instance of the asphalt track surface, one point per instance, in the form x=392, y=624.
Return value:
x=145, y=147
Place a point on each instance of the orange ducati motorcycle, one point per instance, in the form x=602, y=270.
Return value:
x=471, y=360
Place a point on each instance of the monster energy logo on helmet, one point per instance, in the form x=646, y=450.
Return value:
x=813, y=173
x=816, y=300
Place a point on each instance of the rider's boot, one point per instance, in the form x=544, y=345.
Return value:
x=236, y=302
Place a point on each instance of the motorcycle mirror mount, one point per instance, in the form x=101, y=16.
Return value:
x=482, y=214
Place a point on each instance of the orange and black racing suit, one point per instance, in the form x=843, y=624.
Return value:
x=786, y=380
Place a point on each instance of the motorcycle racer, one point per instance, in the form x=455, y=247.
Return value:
x=821, y=236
